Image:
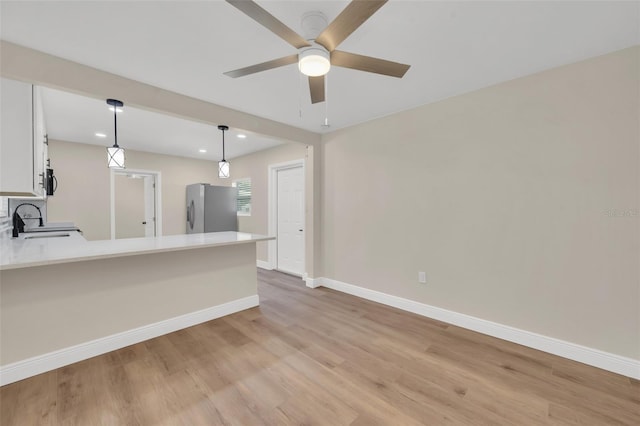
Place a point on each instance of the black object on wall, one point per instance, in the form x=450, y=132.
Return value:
x=51, y=183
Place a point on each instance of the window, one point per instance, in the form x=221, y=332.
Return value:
x=4, y=208
x=244, y=196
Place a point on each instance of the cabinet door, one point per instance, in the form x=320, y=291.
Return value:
x=16, y=138
x=23, y=150
x=39, y=144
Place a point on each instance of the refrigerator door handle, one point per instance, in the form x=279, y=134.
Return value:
x=191, y=213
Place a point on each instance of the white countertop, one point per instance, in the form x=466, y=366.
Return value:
x=21, y=253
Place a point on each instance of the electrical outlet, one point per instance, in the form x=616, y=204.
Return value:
x=422, y=277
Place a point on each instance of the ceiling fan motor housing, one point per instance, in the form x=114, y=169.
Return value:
x=313, y=23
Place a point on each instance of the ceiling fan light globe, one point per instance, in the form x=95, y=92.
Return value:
x=314, y=62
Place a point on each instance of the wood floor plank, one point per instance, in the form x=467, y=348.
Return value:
x=596, y=379
x=609, y=409
x=317, y=356
x=38, y=393
x=367, y=402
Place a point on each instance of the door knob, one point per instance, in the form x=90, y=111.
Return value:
x=144, y=223
x=300, y=230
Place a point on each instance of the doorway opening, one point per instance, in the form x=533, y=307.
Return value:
x=286, y=217
x=136, y=204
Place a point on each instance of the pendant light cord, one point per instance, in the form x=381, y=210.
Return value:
x=326, y=100
x=223, y=159
x=115, y=125
x=326, y=124
x=300, y=94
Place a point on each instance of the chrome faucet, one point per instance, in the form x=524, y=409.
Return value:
x=18, y=222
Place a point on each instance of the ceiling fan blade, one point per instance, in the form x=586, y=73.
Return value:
x=368, y=63
x=316, y=87
x=347, y=22
x=280, y=62
x=267, y=20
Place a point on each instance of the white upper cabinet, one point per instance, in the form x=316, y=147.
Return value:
x=23, y=140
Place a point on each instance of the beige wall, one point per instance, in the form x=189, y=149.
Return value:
x=83, y=194
x=520, y=201
x=256, y=167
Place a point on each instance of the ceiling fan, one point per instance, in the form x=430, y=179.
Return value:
x=318, y=53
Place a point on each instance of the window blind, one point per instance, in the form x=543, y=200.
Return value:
x=244, y=195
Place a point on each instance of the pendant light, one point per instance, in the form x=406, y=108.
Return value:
x=223, y=166
x=115, y=154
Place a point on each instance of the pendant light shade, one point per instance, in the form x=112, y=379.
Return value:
x=224, y=170
x=115, y=157
x=115, y=154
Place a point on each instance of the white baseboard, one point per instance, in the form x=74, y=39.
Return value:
x=607, y=361
x=264, y=265
x=312, y=282
x=39, y=364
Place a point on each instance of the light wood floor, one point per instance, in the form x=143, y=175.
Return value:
x=321, y=357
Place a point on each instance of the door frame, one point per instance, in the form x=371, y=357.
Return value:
x=157, y=195
x=272, y=248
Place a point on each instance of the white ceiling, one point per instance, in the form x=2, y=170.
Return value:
x=453, y=47
x=75, y=118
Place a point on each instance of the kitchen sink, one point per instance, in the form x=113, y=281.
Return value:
x=31, y=237
x=52, y=227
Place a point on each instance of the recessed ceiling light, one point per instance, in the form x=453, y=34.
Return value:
x=241, y=136
x=117, y=109
x=101, y=135
x=203, y=150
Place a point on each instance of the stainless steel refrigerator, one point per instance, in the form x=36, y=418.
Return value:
x=211, y=208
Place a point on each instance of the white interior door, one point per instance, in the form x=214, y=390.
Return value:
x=135, y=201
x=149, y=206
x=129, y=206
x=290, y=222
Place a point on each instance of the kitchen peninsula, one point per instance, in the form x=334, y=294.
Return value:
x=67, y=299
